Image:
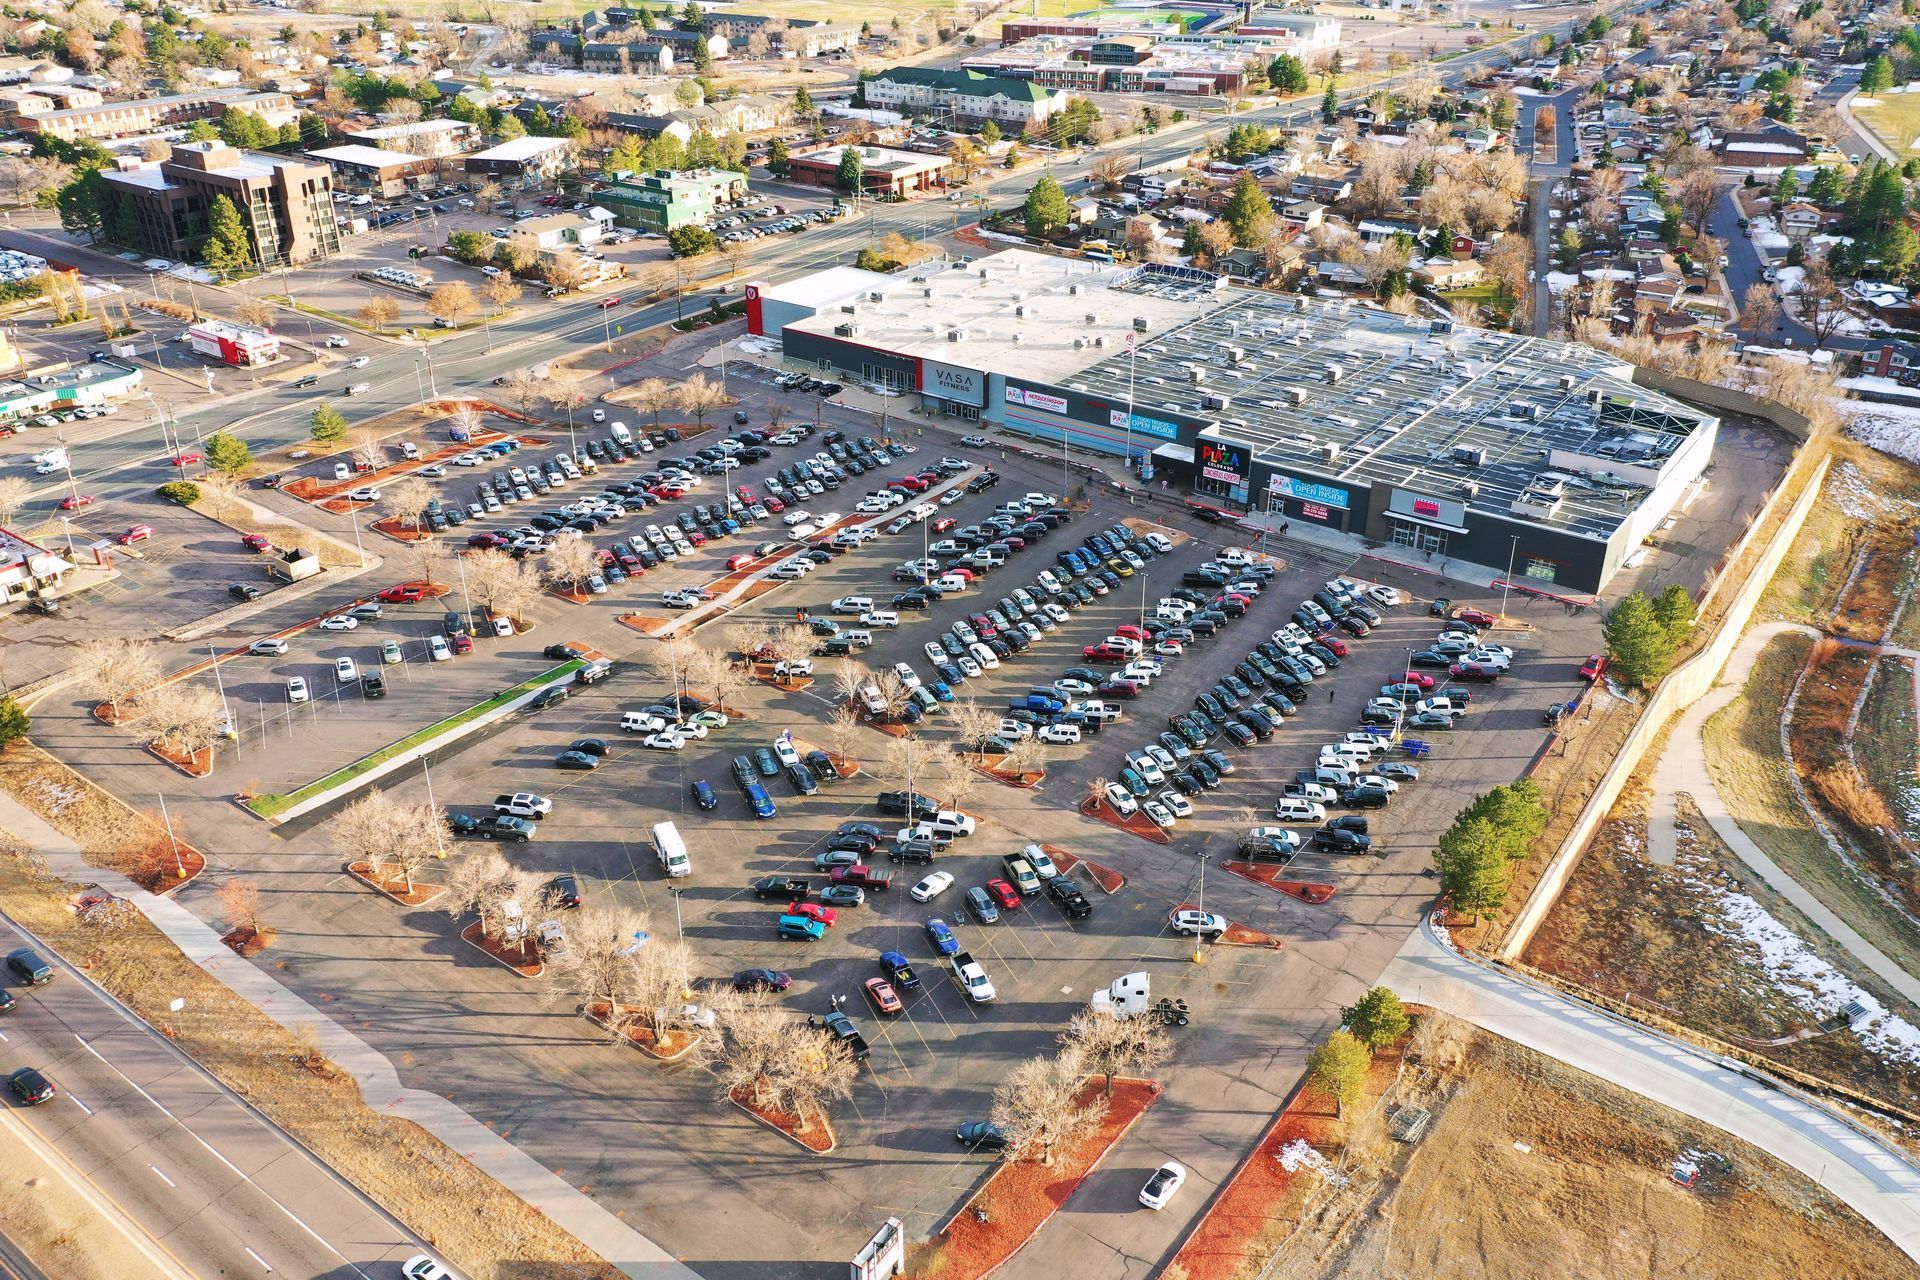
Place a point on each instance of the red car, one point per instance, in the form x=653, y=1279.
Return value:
x=912, y=483
x=1477, y=617
x=188, y=459
x=77, y=502
x=745, y=494
x=1105, y=653
x=943, y=524
x=740, y=561
x=255, y=542
x=1473, y=671
x=1005, y=894
x=1117, y=688
x=462, y=644
x=405, y=594
x=696, y=537
x=1420, y=678
x=813, y=911
x=1594, y=667
x=885, y=999
x=1334, y=643
x=774, y=504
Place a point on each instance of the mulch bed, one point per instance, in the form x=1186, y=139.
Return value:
x=398, y=531
x=198, y=765
x=1217, y=1247
x=1019, y=1198
x=671, y=1047
x=246, y=942
x=522, y=959
x=815, y=1135
x=1238, y=935
x=645, y=624
x=419, y=896
x=847, y=765
x=1305, y=890
x=1138, y=824
x=1025, y=781
x=165, y=879
x=1109, y=880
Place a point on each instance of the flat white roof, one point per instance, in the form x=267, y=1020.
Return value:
x=829, y=288
x=354, y=153
x=1017, y=312
x=521, y=149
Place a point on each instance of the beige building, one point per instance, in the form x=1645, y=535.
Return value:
x=145, y=115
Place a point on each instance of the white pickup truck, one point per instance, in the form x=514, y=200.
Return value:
x=523, y=804
x=967, y=970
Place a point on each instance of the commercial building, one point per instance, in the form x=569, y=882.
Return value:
x=144, y=115
x=28, y=571
x=885, y=172
x=1303, y=33
x=665, y=199
x=93, y=383
x=1460, y=443
x=528, y=161
x=965, y=96
x=239, y=345
x=558, y=230
x=374, y=171
x=286, y=204
x=433, y=138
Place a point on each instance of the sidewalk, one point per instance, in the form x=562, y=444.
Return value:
x=379, y=1084
x=1878, y=1183
x=1683, y=767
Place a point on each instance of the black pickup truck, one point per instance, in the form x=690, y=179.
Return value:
x=781, y=887
x=843, y=1030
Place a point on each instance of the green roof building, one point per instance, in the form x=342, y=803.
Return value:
x=967, y=95
x=667, y=198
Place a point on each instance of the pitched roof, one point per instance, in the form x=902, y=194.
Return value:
x=968, y=84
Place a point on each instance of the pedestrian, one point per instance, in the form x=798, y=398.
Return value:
x=1284, y=526
x=1329, y=695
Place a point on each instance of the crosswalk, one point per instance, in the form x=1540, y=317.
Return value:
x=1321, y=561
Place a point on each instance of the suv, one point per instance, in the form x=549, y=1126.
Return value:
x=29, y=967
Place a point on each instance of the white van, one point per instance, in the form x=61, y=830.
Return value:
x=1300, y=811
x=619, y=432
x=853, y=604
x=672, y=850
x=409, y=450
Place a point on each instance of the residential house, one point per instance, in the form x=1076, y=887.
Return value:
x=1799, y=219
x=1764, y=150
x=1303, y=214
x=1441, y=274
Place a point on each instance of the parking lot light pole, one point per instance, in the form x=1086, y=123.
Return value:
x=1507, y=582
x=1202, y=903
x=679, y=929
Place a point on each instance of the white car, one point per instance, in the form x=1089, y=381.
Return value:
x=1121, y=799
x=599, y=415
x=344, y=671
x=793, y=667
x=335, y=340
x=664, y=741
x=1161, y=815
x=1060, y=734
x=968, y=667
x=272, y=647
x=424, y=1267
x=1013, y=730
x=1178, y=805
x=1163, y=1185
x=932, y=887
x=1147, y=767
x=1204, y=924
x=935, y=654
x=296, y=689
x=437, y=649
x=1383, y=595
x=339, y=622
x=784, y=752
x=467, y=460
x=366, y=493
x=908, y=677
x=359, y=362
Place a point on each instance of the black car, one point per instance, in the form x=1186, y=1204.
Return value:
x=1430, y=658
x=491, y=826
x=1352, y=625
x=373, y=685
x=822, y=765
x=241, y=591
x=1238, y=734
x=1067, y=896
x=27, y=965
x=703, y=796
x=32, y=1088
x=979, y=1135
x=564, y=891
x=550, y=697
x=1354, y=822
x=802, y=780
x=1364, y=797
x=1221, y=762
x=578, y=761
x=1340, y=840
x=590, y=746
x=1210, y=703
x=762, y=980
x=1202, y=772
x=896, y=802
x=1257, y=721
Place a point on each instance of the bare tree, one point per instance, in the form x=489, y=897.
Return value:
x=407, y=500
x=484, y=883
x=973, y=723
x=367, y=828
x=419, y=835
x=746, y=638
x=521, y=390
x=1038, y=1107
x=779, y=1066
x=598, y=965
x=14, y=491
x=567, y=398
x=502, y=585
x=1759, y=311
x=721, y=674
x=566, y=272
x=570, y=560
x=366, y=445
x=1027, y=756
x=787, y=640
x=958, y=780
x=1107, y=171
x=452, y=302
x=908, y=762
x=183, y=719
x=239, y=900
x=502, y=291
x=700, y=396
x=429, y=559
x=468, y=419
x=849, y=677
x=254, y=312
x=1821, y=304
x=841, y=722
x=1114, y=1046
x=652, y=395
x=117, y=667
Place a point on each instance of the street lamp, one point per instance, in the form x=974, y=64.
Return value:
x=1506, y=583
x=1202, y=903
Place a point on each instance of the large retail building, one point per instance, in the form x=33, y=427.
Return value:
x=1471, y=445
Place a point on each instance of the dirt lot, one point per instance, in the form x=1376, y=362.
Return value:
x=1529, y=1166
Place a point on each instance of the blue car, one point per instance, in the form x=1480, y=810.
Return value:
x=762, y=802
x=940, y=690
x=703, y=796
x=941, y=936
x=981, y=906
x=951, y=674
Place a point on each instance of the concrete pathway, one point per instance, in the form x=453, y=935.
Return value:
x=1683, y=767
x=379, y=1084
x=1876, y=1181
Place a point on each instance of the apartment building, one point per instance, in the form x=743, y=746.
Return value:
x=285, y=203
x=144, y=115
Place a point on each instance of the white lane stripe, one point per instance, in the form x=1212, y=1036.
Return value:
x=257, y=1258
x=76, y=1102
x=163, y=1177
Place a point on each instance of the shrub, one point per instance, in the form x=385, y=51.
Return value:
x=184, y=492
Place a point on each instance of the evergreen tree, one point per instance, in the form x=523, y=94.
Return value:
x=203, y=131
x=1786, y=190
x=14, y=721
x=1287, y=74
x=778, y=161
x=226, y=249
x=228, y=452
x=692, y=19
x=1330, y=104
x=329, y=425
x=1674, y=609
x=1377, y=1019
x=1878, y=76
x=1046, y=209
x=83, y=203
x=1639, y=649
x=989, y=133
x=1473, y=865
x=1884, y=201
x=802, y=102
x=1824, y=188
x=852, y=172
x=1338, y=1066
x=1249, y=213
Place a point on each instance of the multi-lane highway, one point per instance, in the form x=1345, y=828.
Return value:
x=214, y=1189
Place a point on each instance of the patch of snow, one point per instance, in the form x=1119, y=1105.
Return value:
x=1299, y=1154
x=1892, y=429
x=1803, y=977
x=1560, y=281
x=1607, y=273
x=1789, y=279
x=1850, y=491
x=1772, y=240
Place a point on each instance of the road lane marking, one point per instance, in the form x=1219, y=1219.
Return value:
x=257, y=1258
x=163, y=1177
x=76, y=1102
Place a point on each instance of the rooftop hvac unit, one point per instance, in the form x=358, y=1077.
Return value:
x=1330, y=451
x=850, y=309
x=846, y=331
x=1019, y=311
x=1527, y=410
x=927, y=292
x=874, y=295
x=1298, y=395
x=1100, y=340
x=956, y=335
x=1093, y=317
x=1141, y=324
x=1079, y=344
x=1196, y=374
x=1594, y=396
x=1017, y=337
x=1073, y=289
x=1218, y=403
x=985, y=273
x=1335, y=373
x=1473, y=488
x=1236, y=355
x=1566, y=381
x=1472, y=455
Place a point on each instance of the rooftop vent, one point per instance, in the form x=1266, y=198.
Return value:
x=1141, y=324
x=1471, y=455
x=1217, y=403
x=1330, y=451
x=1196, y=374
x=1100, y=340
x=1566, y=381
x=850, y=309
x=874, y=295
x=956, y=335
x=1079, y=344
x=1020, y=311
x=1335, y=373
x=1236, y=355
x=846, y=331
x=1297, y=395
x=1093, y=317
